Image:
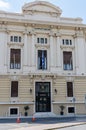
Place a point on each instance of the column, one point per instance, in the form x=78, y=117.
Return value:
x=58, y=52
x=51, y=52
x=33, y=53
x=80, y=52
x=76, y=54
x=25, y=57
x=25, y=49
x=6, y=64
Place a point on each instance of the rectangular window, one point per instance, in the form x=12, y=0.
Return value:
x=15, y=38
x=70, y=42
x=67, y=61
x=15, y=59
x=14, y=89
x=45, y=40
x=11, y=38
x=13, y=111
x=42, y=40
x=19, y=39
x=42, y=59
x=69, y=89
x=38, y=40
x=71, y=110
x=63, y=41
x=66, y=42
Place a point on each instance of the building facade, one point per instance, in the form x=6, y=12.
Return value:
x=42, y=62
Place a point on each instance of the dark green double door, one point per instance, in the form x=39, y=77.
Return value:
x=43, y=97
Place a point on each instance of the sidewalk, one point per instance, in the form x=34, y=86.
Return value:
x=50, y=126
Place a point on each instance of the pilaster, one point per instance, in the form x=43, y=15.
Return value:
x=58, y=39
x=52, y=51
x=80, y=51
x=25, y=53
x=33, y=51
x=6, y=65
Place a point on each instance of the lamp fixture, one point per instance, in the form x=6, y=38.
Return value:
x=55, y=90
x=30, y=90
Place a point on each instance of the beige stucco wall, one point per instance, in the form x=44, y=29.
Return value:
x=57, y=99
x=60, y=85
x=4, y=89
x=24, y=90
x=4, y=109
x=80, y=88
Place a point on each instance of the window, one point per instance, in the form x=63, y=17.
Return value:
x=14, y=89
x=19, y=39
x=11, y=38
x=71, y=110
x=69, y=89
x=13, y=111
x=67, y=61
x=66, y=42
x=45, y=40
x=15, y=38
x=42, y=40
x=15, y=59
x=42, y=59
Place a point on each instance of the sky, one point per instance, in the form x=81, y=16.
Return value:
x=70, y=8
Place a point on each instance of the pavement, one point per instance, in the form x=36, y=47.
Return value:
x=44, y=123
x=51, y=123
x=50, y=126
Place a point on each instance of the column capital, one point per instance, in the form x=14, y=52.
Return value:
x=7, y=31
x=78, y=34
x=32, y=32
x=25, y=32
x=51, y=33
x=58, y=34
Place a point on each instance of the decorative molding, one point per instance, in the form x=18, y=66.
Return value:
x=58, y=34
x=43, y=77
x=10, y=102
x=14, y=78
x=15, y=44
x=51, y=33
x=42, y=46
x=67, y=47
x=69, y=78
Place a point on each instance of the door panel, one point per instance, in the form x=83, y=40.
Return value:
x=43, y=97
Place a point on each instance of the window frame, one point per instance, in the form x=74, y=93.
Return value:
x=71, y=112
x=68, y=93
x=67, y=42
x=14, y=108
x=16, y=38
x=14, y=64
x=13, y=89
x=46, y=62
x=67, y=67
x=42, y=40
